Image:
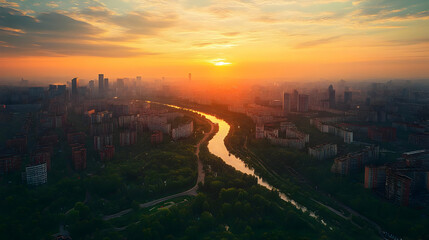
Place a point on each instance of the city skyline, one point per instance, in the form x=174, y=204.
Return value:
x=216, y=41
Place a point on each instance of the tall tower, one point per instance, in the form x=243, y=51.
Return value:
x=331, y=92
x=286, y=103
x=75, y=86
x=91, y=84
x=294, y=102
x=190, y=77
x=348, y=97
x=100, y=83
x=106, y=84
x=303, y=103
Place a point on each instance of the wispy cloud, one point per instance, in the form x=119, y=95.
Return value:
x=317, y=42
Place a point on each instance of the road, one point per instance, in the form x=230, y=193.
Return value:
x=190, y=192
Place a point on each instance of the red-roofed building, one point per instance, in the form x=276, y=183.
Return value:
x=9, y=163
x=156, y=137
x=79, y=156
x=382, y=134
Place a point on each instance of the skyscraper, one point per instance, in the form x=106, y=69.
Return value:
x=100, y=83
x=75, y=86
x=120, y=83
x=303, y=103
x=348, y=97
x=106, y=84
x=91, y=84
x=331, y=92
x=286, y=103
x=294, y=102
x=190, y=77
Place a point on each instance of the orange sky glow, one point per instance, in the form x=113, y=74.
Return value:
x=215, y=40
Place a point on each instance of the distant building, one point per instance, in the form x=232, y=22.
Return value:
x=107, y=153
x=407, y=178
x=303, y=103
x=120, y=83
x=36, y=174
x=75, y=87
x=259, y=131
x=127, y=138
x=159, y=123
x=9, y=163
x=351, y=162
x=36, y=92
x=375, y=177
x=39, y=157
x=79, y=156
x=156, y=137
x=398, y=187
x=100, y=142
x=127, y=121
x=100, y=83
x=348, y=97
x=294, y=102
x=18, y=143
x=324, y=151
x=91, y=84
x=328, y=125
x=331, y=93
x=76, y=137
x=286, y=103
x=106, y=84
x=297, y=143
x=419, y=139
x=183, y=131
x=382, y=134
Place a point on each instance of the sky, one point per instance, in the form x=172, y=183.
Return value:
x=215, y=40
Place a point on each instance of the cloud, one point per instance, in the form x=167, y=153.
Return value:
x=317, y=42
x=143, y=22
x=390, y=10
x=231, y=34
x=100, y=12
x=5, y=3
x=52, y=4
x=54, y=33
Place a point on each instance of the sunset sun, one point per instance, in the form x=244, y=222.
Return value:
x=220, y=62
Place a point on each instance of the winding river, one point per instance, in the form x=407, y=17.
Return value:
x=217, y=147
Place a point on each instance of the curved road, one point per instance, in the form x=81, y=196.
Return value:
x=190, y=192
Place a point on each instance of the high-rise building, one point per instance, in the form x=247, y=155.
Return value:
x=61, y=89
x=75, y=86
x=79, y=156
x=375, y=177
x=100, y=82
x=106, y=84
x=331, y=92
x=303, y=103
x=37, y=174
x=286, y=103
x=348, y=97
x=120, y=83
x=294, y=102
x=91, y=84
x=190, y=77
